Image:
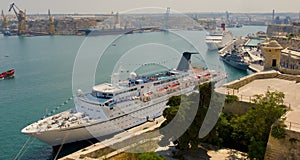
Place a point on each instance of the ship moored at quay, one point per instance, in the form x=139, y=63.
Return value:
x=112, y=108
x=217, y=39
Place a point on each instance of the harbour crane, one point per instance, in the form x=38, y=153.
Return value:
x=51, y=23
x=249, y=17
x=21, y=16
x=167, y=15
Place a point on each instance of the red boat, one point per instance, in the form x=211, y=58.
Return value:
x=7, y=74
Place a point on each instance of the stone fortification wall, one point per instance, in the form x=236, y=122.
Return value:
x=291, y=72
x=286, y=148
x=279, y=29
x=277, y=149
x=283, y=29
x=263, y=75
x=245, y=80
x=286, y=42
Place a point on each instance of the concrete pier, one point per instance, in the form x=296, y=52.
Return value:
x=256, y=67
x=229, y=46
x=113, y=146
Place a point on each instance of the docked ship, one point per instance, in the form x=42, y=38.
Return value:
x=111, y=108
x=217, y=39
x=6, y=31
x=239, y=25
x=145, y=30
x=235, y=60
x=99, y=32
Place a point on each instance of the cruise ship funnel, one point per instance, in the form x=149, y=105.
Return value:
x=185, y=61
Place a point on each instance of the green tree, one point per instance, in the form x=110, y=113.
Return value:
x=256, y=149
x=224, y=130
x=252, y=129
x=174, y=101
x=248, y=132
x=278, y=130
x=190, y=140
x=150, y=156
x=231, y=98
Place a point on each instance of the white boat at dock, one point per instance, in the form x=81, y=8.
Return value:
x=217, y=39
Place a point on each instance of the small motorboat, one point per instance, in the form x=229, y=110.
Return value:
x=7, y=74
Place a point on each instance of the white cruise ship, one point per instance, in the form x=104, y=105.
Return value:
x=111, y=108
x=217, y=39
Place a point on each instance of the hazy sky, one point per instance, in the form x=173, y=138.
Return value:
x=106, y=6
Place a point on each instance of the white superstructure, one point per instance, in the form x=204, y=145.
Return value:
x=217, y=39
x=114, y=107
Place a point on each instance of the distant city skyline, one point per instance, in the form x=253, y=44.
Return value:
x=125, y=6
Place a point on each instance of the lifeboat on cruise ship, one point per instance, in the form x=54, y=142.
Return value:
x=7, y=74
x=174, y=85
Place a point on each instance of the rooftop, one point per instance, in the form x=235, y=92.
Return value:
x=293, y=52
x=273, y=44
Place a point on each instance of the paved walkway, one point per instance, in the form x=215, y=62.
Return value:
x=256, y=67
x=131, y=133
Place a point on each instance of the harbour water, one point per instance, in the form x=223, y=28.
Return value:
x=43, y=80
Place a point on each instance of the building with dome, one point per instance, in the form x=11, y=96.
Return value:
x=272, y=53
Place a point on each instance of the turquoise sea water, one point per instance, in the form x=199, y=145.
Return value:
x=44, y=68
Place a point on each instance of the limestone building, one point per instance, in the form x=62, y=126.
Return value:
x=284, y=60
x=272, y=54
x=290, y=59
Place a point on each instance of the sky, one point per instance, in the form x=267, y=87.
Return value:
x=125, y=6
